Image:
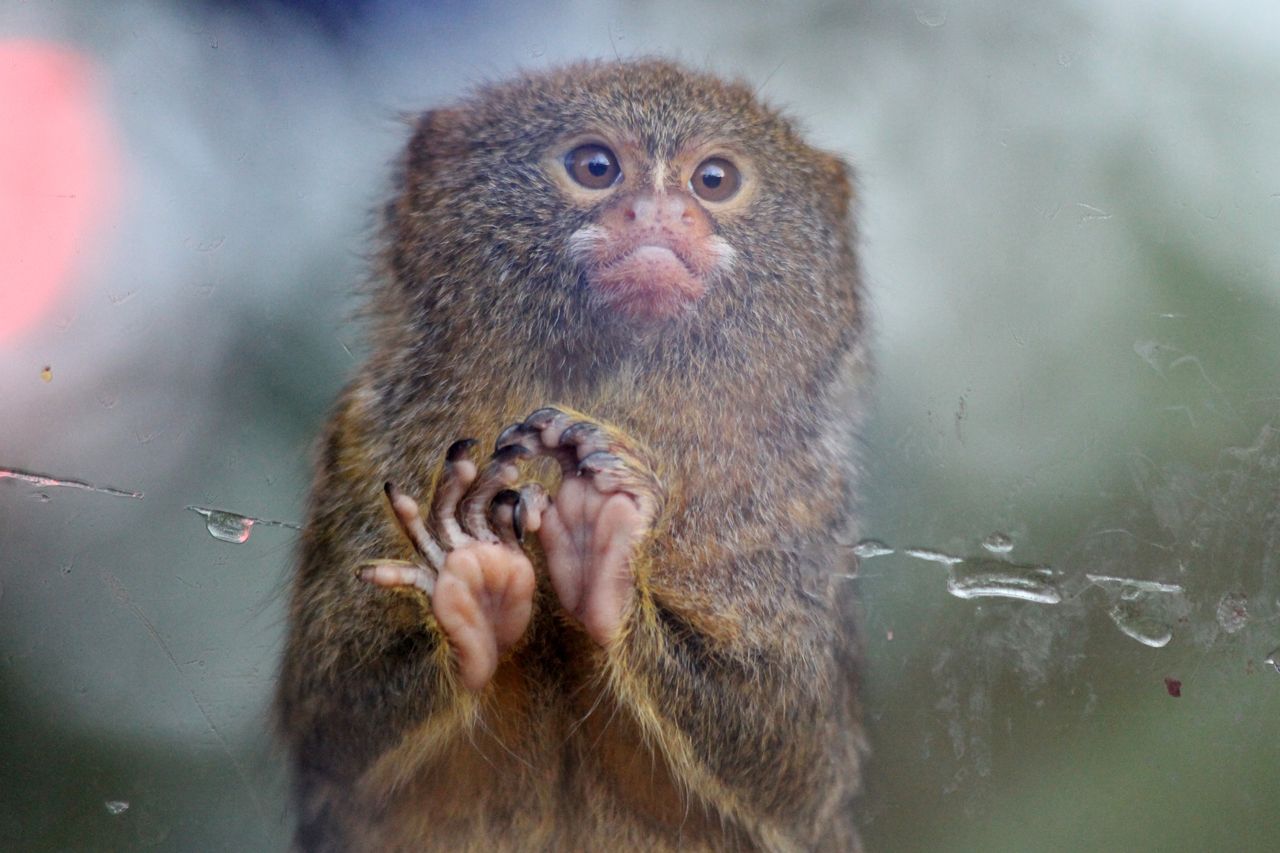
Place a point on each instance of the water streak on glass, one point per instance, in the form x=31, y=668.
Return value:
x=980, y=577
x=1140, y=607
x=998, y=543
x=36, y=479
x=1133, y=620
x=1133, y=584
x=931, y=555
x=871, y=548
x=1233, y=611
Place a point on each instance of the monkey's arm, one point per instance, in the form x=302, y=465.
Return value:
x=730, y=658
x=738, y=671
x=366, y=666
x=362, y=665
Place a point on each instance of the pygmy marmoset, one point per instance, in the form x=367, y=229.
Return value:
x=623, y=630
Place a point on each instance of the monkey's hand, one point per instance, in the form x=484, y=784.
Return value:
x=607, y=501
x=470, y=561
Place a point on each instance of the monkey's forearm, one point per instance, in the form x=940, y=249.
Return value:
x=363, y=665
x=738, y=678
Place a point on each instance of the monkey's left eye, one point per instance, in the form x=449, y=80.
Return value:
x=593, y=166
x=716, y=179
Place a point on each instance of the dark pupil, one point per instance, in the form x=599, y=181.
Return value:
x=598, y=165
x=712, y=176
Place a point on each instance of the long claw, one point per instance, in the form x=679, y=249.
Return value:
x=610, y=473
x=549, y=424
x=584, y=438
x=534, y=501
x=506, y=517
x=544, y=417
x=500, y=473
x=458, y=450
x=519, y=433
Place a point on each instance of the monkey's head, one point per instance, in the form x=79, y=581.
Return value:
x=622, y=201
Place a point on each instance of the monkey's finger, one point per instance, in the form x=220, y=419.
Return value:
x=610, y=473
x=409, y=516
x=549, y=423
x=503, y=515
x=458, y=474
x=499, y=473
x=542, y=418
x=399, y=573
x=528, y=513
x=520, y=433
x=585, y=438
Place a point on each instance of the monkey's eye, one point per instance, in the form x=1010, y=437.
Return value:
x=593, y=166
x=715, y=180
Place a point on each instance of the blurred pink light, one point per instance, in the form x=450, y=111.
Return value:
x=58, y=175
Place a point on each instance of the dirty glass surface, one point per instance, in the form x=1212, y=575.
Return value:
x=1070, y=219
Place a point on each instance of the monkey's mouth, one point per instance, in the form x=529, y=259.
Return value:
x=650, y=282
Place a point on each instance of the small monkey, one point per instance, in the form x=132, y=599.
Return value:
x=619, y=629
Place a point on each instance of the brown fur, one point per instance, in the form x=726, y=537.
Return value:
x=725, y=715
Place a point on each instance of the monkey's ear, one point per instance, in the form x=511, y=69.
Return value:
x=437, y=135
x=839, y=180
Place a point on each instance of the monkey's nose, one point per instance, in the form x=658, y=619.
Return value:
x=665, y=210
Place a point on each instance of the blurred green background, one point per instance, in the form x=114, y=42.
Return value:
x=1070, y=214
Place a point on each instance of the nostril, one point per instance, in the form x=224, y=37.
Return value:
x=678, y=210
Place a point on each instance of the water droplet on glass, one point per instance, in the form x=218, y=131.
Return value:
x=1273, y=660
x=1233, y=612
x=998, y=543
x=1131, y=618
x=871, y=548
x=226, y=526
x=234, y=527
x=985, y=578
x=931, y=17
x=1152, y=352
x=116, y=807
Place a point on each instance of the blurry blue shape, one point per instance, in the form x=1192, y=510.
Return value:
x=338, y=18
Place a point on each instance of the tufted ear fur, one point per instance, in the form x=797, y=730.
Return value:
x=437, y=135
x=840, y=180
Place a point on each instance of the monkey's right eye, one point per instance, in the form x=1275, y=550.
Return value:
x=593, y=166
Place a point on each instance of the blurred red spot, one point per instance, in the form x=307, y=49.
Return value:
x=1174, y=686
x=57, y=175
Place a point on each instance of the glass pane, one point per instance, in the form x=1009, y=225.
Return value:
x=1069, y=214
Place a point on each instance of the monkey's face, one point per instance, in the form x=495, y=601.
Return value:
x=650, y=250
